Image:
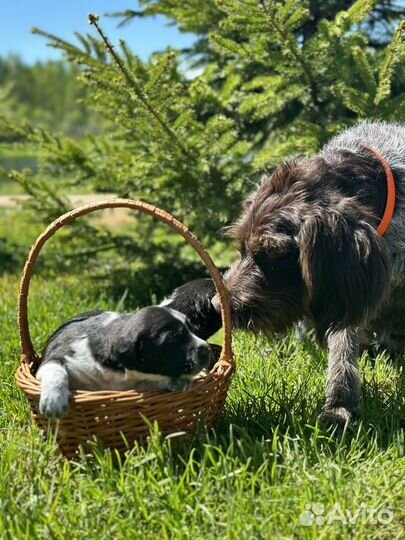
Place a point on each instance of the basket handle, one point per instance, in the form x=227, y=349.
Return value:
x=28, y=354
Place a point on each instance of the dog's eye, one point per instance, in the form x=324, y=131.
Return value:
x=261, y=259
x=278, y=270
x=273, y=259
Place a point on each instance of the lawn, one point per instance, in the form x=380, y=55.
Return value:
x=255, y=476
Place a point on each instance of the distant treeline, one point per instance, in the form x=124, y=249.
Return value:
x=46, y=94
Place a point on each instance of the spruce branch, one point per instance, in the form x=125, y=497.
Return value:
x=306, y=68
x=93, y=20
x=392, y=58
x=58, y=43
x=127, y=16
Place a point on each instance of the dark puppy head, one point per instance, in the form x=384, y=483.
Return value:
x=308, y=246
x=158, y=341
x=194, y=299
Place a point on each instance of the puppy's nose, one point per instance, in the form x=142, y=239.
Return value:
x=216, y=303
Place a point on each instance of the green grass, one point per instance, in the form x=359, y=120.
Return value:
x=251, y=478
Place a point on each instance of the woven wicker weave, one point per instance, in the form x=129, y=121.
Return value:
x=116, y=417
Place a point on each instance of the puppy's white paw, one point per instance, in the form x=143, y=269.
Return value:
x=54, y=402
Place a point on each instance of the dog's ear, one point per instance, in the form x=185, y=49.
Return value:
x=345, y=267
x=127, y=351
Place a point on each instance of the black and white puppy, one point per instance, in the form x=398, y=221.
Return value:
x=156, y=348
x=153, y=349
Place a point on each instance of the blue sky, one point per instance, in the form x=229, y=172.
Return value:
x=64, y=17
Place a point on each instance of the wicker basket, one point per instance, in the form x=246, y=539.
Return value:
x=118, y=418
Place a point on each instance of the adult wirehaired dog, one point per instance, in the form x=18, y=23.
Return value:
x=317, y=241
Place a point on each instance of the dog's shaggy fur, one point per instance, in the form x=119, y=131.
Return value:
x=309, y=249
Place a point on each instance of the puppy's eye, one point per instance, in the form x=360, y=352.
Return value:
x=179, y=331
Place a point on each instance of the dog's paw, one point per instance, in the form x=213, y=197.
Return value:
x=54, y=403
x=335, y=416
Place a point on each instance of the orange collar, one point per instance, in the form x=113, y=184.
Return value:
x=390, y=206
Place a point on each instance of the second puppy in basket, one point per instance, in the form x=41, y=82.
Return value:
x=157, y=348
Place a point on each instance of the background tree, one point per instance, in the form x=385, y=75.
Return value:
x=264, y=81
x=46, y=94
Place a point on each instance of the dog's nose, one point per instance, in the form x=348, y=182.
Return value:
x=216, y=303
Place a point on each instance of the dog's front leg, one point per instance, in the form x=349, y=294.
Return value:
x=343, y=382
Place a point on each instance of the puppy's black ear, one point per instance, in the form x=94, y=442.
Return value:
x=345, y=267
x=127, y=351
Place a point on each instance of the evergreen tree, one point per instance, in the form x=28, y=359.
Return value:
x=46, y=94
x=274, y=81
